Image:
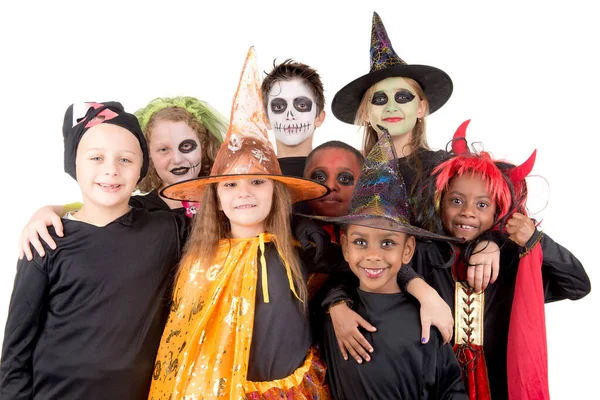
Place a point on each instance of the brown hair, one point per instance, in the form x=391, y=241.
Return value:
x=209, y=144
x=211, y=225
x=288, y=70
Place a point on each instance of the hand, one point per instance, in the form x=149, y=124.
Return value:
x=520, y=229
x=307, y=231
x=483, y=266
x=345, y=324
x=435, y=311
x=36, y=228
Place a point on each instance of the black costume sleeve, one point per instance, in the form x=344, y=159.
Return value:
x=563, y=274
x=183, y=225
x=23, y=324
x=449, y=383
x=328, y=262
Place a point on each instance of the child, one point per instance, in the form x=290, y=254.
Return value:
x=472, y=198
x=377, y=241
x=294, y=103
x=336, y=165
x=398, y=97
x=183, y=135
x=238, y=328
x=85, y=321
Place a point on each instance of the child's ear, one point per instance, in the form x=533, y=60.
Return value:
x=409, y=249
x=320, y=118
x=344, y=240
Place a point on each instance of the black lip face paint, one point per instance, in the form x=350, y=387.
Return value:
x=403, y=96
x=184, y=170
x=278, y=105
x=188, y=145
x=303, y=104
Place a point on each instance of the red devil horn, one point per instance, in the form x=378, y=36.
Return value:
x=519, y=173
x=459, y=141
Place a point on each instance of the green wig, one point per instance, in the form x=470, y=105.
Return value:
x=213, y=121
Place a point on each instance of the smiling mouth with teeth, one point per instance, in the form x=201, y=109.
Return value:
x=466, y=227
x=373, y=272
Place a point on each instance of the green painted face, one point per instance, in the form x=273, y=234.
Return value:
x=395, y=106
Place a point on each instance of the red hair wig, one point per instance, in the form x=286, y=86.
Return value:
x=483, y=165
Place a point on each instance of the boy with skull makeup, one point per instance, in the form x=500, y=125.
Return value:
x=294, y=103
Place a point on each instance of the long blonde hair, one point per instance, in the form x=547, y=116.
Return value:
x=211, y=225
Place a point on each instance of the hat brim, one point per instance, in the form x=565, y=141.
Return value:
x=301, y=189
x=387, y=224
x=436, y=85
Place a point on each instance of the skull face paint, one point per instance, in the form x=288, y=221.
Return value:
x=292, y=111
x=175, y=151
x=395, y=106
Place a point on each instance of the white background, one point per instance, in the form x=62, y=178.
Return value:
x=524, y=72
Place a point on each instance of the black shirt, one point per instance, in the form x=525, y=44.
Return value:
x=153, y=202
x=401, y=367
x=292, y=166
x=85, y=321
x=282, y=337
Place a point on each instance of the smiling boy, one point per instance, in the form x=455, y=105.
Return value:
x=85, y=321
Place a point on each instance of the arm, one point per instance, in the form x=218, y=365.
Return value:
x=37, y=228
x=22, y=328
x=434, y=310
x=346, y=321
x=563, y=274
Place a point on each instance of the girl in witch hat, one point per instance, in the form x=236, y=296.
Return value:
x=398, y=97
x=238, y=326
x=500, y=338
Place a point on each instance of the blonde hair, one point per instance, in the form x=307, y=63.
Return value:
x=211, y=225
x=418, y=138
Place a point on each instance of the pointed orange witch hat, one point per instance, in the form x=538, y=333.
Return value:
x=246, y=151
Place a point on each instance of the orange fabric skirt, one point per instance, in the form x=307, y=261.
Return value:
x=306, y=383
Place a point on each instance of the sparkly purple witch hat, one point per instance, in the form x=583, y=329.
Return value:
x=380, y=198
x=385, y=63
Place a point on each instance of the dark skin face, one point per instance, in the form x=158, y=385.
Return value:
x=338, y=169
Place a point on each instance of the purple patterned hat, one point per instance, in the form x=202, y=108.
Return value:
x=385, y=63
x=380, y=198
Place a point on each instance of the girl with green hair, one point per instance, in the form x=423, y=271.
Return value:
x=184, y=135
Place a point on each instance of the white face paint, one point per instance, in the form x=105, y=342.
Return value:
x=292, y=111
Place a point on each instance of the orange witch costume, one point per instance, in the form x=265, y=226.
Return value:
x=237, y=328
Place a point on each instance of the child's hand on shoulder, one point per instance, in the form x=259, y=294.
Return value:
x=350, y=340
x=36, y=229
x=484, y=265
x=520, y=229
